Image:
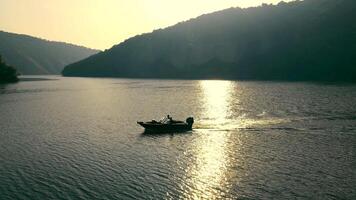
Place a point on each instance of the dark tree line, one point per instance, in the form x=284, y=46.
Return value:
x=8, y=73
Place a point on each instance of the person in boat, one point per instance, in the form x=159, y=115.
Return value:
x=170, y=120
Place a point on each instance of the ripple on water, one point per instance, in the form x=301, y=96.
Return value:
x=77, y=138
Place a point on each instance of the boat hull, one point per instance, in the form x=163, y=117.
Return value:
x=161, y=128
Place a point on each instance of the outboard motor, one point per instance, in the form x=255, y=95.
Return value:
x=190, y=121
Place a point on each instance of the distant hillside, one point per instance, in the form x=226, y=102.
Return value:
x=301, y=40
x=32, y=55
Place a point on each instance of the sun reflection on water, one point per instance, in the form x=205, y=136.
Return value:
x=208, y=173
x=213, y=154
x=217, y=97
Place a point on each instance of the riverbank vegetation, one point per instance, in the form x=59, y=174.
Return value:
x=8, y=74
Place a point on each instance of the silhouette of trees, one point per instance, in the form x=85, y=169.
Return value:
x=8, y=73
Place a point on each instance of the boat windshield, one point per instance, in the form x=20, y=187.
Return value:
x=165, y=120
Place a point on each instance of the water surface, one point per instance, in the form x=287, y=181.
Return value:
x=77, y=138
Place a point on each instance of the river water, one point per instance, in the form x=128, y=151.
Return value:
x=77, y=138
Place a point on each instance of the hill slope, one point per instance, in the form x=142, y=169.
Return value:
x=301, y=40
x=32, y=55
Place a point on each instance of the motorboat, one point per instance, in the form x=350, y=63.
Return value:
x=167, y=124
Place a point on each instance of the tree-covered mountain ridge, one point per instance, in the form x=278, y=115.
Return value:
x=300, y=40
x=31, y=55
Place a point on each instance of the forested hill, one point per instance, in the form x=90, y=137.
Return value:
x=32, y=55
x=301, y=40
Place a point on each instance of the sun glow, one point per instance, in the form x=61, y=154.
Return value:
x=209, y=169
x=217, y=103
x=217, y=94
x=102, y=24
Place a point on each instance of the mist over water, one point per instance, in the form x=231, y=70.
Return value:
x=77, y=138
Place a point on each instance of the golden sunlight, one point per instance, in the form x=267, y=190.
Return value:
x=217, y=98
x=209, y=169
x=102, y=24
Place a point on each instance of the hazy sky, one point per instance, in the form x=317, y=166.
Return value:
x=102, y=23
